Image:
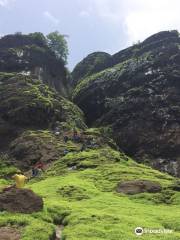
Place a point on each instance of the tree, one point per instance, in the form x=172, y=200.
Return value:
x=58, y=44
x=38, y=38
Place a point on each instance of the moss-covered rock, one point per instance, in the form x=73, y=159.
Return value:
x=28, y=102
x=33, y=146
x=30, y=55
x=93, y=63
x=139, y=98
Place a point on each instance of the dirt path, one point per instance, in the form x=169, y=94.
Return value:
x=59, y=229
x=7, y=233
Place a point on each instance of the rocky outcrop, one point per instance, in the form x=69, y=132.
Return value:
x=30, y=55
x=139, y=98
x=25, y=102
x=138, y=186
x=33, y=146
x=93, y=63
x=20, y=201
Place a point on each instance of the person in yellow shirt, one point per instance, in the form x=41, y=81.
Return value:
x=20, y=180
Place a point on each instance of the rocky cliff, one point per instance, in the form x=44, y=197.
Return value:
x=27, y=103
x=34, y=89
x=138, y=95
x=30, y=55
x=85, y=187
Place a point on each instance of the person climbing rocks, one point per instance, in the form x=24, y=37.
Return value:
x=75, y=133
x=89, y=142
x=20, y=180
x=65, y=152
x=83, y=147
x=34, y=171
x=40, y=165
x=66, y=138
x=76, y=137
x=37, y=169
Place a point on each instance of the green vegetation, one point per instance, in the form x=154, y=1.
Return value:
x=6, y=169
x=39, y=56
x=93, y=63
x=30, y=102
x=80, y=179
x=84, y=200
x=105, y=77
x=58, y=44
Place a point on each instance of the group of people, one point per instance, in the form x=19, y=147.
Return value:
x=39, y=167
x=87, y=142
x=74, y=136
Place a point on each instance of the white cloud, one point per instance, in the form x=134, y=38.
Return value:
x=51, y=18
x=5, y=3
x=150, y=16
x=139, y=18
x=84, y=13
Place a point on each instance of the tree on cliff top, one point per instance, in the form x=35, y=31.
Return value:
x=58, y=45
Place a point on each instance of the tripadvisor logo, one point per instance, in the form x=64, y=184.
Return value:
x=139, y=231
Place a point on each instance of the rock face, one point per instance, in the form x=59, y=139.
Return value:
x=93, y=63
x=139, y=97
x=138, y=186
x=25, y=101
x=28, y=103
x=30, y=55
x=33, y=146
x=20, y=201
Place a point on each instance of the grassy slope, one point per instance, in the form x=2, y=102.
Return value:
x=85, y=201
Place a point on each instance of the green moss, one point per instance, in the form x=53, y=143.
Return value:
x=6, y=169
x=102, y=214
x=35, y=145
x=91, y=64
x=72, y=192
x=29, y=102
x=85, y=201
x=166, y=196
x=31, y=228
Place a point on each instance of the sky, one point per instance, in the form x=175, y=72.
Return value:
x=91, y=25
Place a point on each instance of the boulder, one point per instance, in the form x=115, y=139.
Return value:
x=20, y=201
x=138, y=186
